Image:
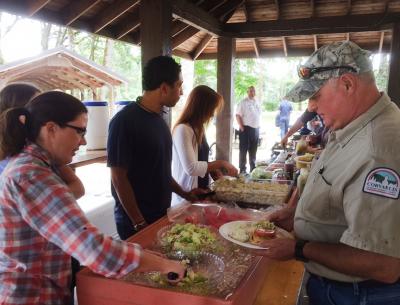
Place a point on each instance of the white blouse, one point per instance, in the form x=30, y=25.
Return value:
x=185, y=164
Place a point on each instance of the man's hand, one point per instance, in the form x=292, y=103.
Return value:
x=279, y=248
x=192, y=195
x=283, y=218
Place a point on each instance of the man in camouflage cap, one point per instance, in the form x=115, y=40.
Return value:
x=347, y=219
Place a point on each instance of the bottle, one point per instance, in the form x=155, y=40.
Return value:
x=289, y=168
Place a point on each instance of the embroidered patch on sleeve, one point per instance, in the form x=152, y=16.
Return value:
x=383, y=182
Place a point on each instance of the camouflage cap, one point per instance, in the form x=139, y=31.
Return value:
x=337, y=54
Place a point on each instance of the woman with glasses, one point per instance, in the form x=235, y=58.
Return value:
x=42, y=225
x=190, y=166
x=18, y=95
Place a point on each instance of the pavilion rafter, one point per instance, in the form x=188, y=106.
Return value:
x=310, y=26
x=76, y=9
x=111, y=13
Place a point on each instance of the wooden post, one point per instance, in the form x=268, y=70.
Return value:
x=226, y=56
x=394, y=66
x=155, y=33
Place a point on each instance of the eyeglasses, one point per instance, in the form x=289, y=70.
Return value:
x=307, y=72
x=79, y=130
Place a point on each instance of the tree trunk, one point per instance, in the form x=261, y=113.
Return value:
x=45, y=37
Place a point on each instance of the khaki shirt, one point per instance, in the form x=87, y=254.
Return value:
x=352, y=192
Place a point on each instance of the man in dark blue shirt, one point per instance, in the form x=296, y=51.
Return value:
x=140, y=150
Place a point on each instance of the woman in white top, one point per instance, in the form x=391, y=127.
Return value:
x=190, y=166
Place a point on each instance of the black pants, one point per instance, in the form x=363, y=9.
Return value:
x=248, y=142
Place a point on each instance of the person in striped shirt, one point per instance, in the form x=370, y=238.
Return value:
x=41, y=223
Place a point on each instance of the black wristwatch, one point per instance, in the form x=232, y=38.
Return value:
x=298, y=250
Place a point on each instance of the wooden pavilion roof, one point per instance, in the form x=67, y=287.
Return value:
x=59, y=69
x=262, y=27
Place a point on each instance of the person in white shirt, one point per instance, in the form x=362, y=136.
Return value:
x=248, y=115
x=190, y=166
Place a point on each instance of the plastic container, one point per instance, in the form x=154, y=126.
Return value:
x=118, y=105
x=97, y=130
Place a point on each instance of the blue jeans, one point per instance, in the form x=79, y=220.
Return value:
x=326, y=292
x=284, y=126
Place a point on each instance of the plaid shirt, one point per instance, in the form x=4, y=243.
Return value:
x=41, y=226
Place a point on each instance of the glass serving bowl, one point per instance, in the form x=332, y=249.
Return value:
x=209, y=265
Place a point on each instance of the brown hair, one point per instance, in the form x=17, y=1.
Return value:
x=202, y=103
x=16, y=95
x=54, y=106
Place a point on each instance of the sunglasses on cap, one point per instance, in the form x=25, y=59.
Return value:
x=307, y=72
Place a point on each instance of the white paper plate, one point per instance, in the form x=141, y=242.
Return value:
x=227, y=228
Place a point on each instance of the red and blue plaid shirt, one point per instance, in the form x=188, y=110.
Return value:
x=41, y=225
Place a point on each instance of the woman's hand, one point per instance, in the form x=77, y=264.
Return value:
x=75, y=185
x=228, y=169
x=157, y=262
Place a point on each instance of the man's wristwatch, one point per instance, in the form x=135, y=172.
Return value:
x=298, y=250
x=140, y=225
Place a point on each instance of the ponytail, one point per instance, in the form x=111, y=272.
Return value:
x=14, y=131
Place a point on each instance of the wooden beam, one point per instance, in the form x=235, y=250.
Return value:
x=278, y=11
x=177, y=27
x=284, y=46
x=394, y=67
x=202, y=45
x=256, y=47
x=183, y=36
x=33, y=6
x=225, y=85
x=182, y=54
x=196, y=17
x=246, y=12
x=309, y=26
x=76, y=9
x=347, y=36
x=312, y=6
x=348, y=7
x=272, y=53
x=315, y=42
x=112, y=12
x=381, y=41
x=155, y=31
x=224, y=13
x=127, y=26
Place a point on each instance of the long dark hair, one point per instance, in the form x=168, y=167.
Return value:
x=202, y=103
x=19, y=125
x=16, y=95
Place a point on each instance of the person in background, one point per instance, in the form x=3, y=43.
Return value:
x=248, y=115
x=190, y=166
x=285, y=109
x=306, y=117
x=42, y=225
x=347, y=219
x=18, y=95
x=139, y=150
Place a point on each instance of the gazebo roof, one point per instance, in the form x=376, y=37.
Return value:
x=59, y=69
x=262, y=28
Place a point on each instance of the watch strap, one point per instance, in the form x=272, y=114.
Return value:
x=298, y=250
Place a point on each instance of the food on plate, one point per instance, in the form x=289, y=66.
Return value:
x=306, y=157
x=189, y=237
x=253, y=232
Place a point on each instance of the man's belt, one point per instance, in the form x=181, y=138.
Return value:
x=362, y=284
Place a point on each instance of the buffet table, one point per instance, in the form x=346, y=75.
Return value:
x=266, y=282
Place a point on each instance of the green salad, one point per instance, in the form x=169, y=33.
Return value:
x=189, y=237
